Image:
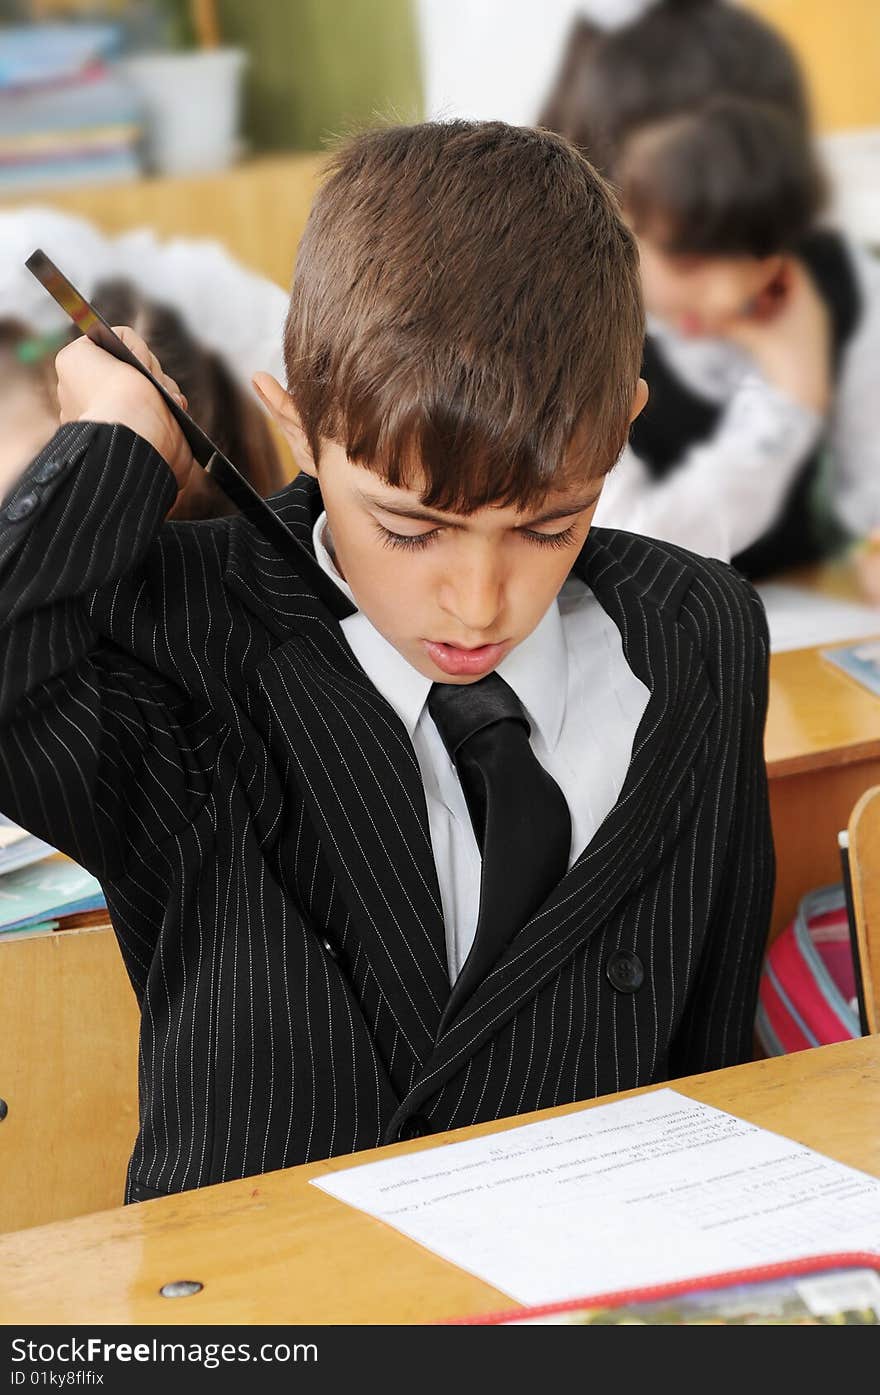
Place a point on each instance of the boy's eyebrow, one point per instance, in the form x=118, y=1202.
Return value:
x=434, y=516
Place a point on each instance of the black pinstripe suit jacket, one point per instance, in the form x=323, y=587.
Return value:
x=182, y=715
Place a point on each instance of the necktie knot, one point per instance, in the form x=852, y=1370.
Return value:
x=461, y=710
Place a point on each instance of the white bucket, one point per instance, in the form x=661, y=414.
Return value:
x=192, y=105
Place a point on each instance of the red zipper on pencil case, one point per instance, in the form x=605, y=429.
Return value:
x=848, y=1259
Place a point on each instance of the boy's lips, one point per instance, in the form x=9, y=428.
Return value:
x=460, y=662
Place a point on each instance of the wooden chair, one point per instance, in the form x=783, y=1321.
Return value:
x=68, y=1075
x=864, y=869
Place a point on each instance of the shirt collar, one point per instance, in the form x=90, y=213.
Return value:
x=536, y=670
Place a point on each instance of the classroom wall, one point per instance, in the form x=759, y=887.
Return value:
x=495, y=58
x=839, y=46
x=319, y=68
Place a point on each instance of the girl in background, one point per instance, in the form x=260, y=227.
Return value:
x=220, y=405
x=763, y=343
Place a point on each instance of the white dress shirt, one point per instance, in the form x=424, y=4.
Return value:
x=729, y=489
x=583, y=703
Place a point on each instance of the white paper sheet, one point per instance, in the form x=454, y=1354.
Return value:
x=800, y=618
x=642, y=1191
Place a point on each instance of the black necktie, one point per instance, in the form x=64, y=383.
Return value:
x=518, y=811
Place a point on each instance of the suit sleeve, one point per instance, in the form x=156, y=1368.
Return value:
x=99, y=749
x=718, y=1022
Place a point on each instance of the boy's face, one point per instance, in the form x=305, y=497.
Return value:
x=703, y=295
x=453, y=594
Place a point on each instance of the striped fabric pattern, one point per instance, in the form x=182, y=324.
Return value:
x=182, y=715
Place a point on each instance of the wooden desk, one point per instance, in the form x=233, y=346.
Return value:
x=68, y=1071
x=274, y=1249
x=823, y=751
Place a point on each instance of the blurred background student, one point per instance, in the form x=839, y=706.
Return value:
x=208, y=318
x=221, y=406
x=760, y=440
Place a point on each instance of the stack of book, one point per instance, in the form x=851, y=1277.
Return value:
x=65, y=116
x=41, y=891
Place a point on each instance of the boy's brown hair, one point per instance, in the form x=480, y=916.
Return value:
x=466, y=314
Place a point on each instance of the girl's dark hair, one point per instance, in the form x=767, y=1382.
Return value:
x=698, y=114
x=217, y=402
x=214, y=399
x=735, y=178
x=673, y=58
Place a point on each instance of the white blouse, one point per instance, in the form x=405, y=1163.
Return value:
x=728, y=490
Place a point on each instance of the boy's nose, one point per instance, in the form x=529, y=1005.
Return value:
x=473, y=597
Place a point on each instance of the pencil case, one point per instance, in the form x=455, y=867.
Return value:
x=807, y=994
x=835, y=1289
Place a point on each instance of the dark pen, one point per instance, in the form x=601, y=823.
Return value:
x=204, y=451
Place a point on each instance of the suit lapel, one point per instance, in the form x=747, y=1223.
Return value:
x=359, y=777
x=283, y=597
x=664, y=779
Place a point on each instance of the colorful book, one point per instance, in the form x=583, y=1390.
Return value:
x=47, y=891
x=859, y=661
x=18, y=848
x=34, y=54
x=62, y=144
x=113, y=167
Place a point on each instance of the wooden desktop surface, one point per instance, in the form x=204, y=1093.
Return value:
x=275, y=1249
x=817, y=714
x=822, y=747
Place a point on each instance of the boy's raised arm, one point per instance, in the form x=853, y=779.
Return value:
x=96, y=745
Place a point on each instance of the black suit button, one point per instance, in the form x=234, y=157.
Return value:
x=330, y=948
x=625, y=971
x=414, y=1127
x=22, y=507
x=48, y=470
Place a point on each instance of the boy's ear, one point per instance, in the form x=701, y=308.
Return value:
x=640, y=397
x=280, y=407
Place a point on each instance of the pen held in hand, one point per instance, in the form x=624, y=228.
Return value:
x=204, y=451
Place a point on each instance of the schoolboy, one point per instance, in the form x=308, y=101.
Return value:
x=286, y=798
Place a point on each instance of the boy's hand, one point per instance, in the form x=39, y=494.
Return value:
x=788, y=333
x=95, y=386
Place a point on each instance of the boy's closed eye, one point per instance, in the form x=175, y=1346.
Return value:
x=414, y=541
x=414, y=529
